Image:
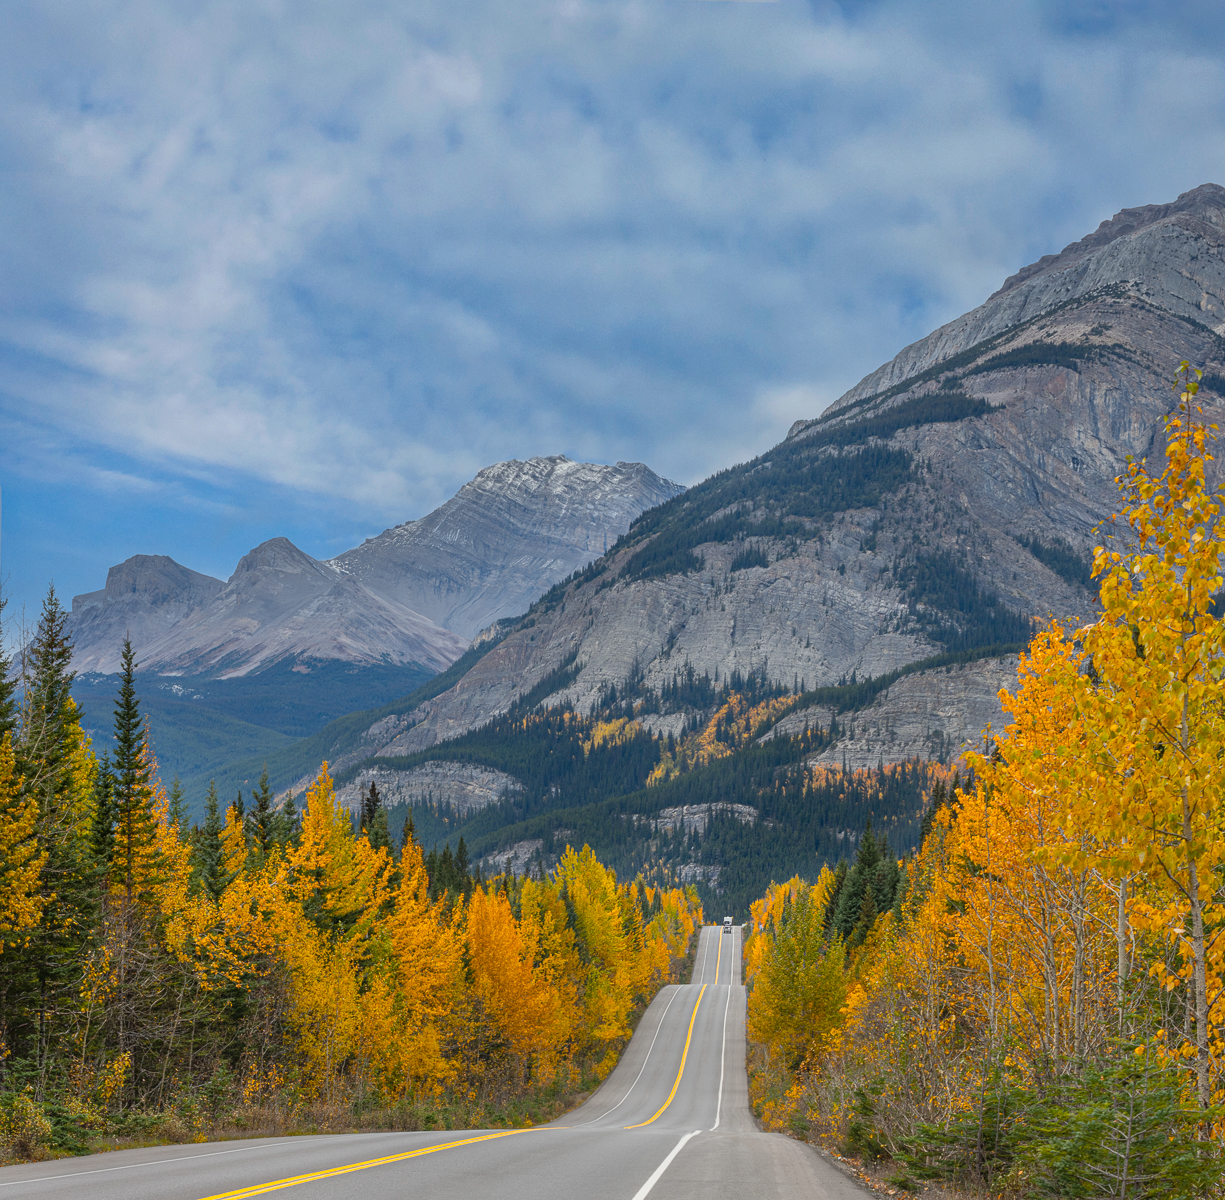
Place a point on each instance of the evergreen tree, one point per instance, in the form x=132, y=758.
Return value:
x=53, y=760
x=262, y=822
x=208, y=858
x=102, y=823
x=289, y=822
x=134, y=821
x=8, y=685
x=178, y=806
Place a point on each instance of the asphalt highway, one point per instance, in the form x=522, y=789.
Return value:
x=671, y=1122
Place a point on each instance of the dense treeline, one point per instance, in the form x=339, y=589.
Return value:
x=1033, y=1001
x=271, y=968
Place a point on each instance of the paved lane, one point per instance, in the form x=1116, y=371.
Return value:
x=671, y=1122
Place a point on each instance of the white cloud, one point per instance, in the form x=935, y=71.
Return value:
x=363, y=251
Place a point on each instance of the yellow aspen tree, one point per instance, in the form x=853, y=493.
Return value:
x=21, y=859
x=524, y=1008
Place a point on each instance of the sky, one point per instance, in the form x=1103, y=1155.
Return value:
x=302, y=269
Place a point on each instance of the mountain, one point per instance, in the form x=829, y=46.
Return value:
x=290, y=643
x=144, y=598
x=279, y=603
x=855, y=595
x=504, y=538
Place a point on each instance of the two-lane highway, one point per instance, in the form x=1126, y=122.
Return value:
x=671, y=1122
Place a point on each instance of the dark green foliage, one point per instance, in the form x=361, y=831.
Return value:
x=1118, y=1126
x=559, y=678
x=772, y=496
x=36, y=976
x=134, y=830
x=750, y=556
x=263, y=826
x=48, y=712
x=207, y=855
x=102, y=825
x=448, y=873
x=869, y=888
x=374, y=819
x=1039, y=354
x=951, y=608
x=1062, y=558
x=933, y=408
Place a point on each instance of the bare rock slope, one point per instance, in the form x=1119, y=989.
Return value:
x=947, y=497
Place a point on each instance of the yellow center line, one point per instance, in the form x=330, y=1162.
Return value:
x=720, y=958
x=258, y=1189
x=684, y=1055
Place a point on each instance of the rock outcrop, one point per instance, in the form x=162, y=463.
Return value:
x=464, y=787
x=145, y=598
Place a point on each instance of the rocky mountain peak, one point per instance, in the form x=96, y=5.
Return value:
x=155, y=578
x=1204, y=205
x=507, y=535
x=1170, y=256
x=280, y=556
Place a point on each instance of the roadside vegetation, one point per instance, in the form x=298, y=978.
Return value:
x=1034, y=1003
x=277, y=970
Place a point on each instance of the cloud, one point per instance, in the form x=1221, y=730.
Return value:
x=359, y=251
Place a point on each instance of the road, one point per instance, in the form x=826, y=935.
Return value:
x=672, y=1122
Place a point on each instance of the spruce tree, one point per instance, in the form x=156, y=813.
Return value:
x=102, y=824
x=8, y=684
x=178, y=806
x=50, y=749
x=135, y=828
x=263, y=819
x=208, y=857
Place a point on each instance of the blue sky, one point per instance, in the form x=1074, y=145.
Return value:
x=302, y=269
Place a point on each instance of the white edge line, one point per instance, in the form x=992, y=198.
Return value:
x=645, y=1190
x=131, y=1166
x=723, y=1053
x=640, y=1069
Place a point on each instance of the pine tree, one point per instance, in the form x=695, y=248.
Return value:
x=134, y=822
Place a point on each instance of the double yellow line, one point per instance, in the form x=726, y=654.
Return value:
x=276, y=1185
x=689, y=1037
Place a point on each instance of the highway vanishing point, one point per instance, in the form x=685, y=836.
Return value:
x=671, y=1122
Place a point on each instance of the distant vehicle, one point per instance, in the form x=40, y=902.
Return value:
x=727, y=924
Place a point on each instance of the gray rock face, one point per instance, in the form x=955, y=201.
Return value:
x=1172, y=255
x=464, y=786
x=144, y=599
x=1074, y=357
x=932, y=714
x=504, y=538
